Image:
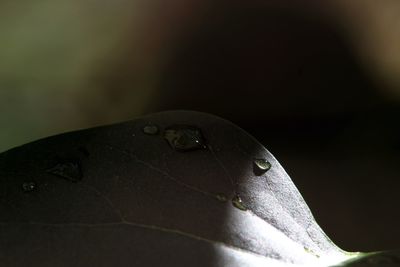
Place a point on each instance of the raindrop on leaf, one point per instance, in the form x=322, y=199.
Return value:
x=150, y=129
x=238, y=203
x=28, y=186
x=70, y=170
x=184, y=138
x=261, y=166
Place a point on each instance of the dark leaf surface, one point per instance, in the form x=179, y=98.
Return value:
x=174, y=188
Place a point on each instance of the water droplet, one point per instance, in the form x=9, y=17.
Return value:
x=70, y=170
x=261, y=166
x=221, y=197
x=184, y=138
x=28, y=186
x=311, y=252
x=150, y=129
x=238, y=203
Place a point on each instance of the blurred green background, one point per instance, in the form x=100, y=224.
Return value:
x=317, y=83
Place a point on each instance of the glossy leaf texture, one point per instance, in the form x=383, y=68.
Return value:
x=176, y=188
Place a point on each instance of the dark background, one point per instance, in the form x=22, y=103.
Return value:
x=299, y=77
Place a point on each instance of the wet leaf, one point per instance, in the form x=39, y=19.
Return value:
x=148, y=199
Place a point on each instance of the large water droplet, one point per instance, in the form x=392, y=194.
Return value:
x=28, y=186
x=238, y=203
x=184, y=138
x=221, y=197
x=261, y=166
x=70, y=170
x=150, y=129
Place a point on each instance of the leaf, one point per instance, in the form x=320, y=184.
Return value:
x=374, y=259
x=174, y=188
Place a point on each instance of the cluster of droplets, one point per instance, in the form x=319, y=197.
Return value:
x=181, y=138
x=184, y=138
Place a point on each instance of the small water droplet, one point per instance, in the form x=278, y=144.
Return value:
x=150, y=129
x=184, y=138
x=238, y=203
x=261, y=166
x=70, y=170
x=221, y=197
x=311, y=252
x=28, y=186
